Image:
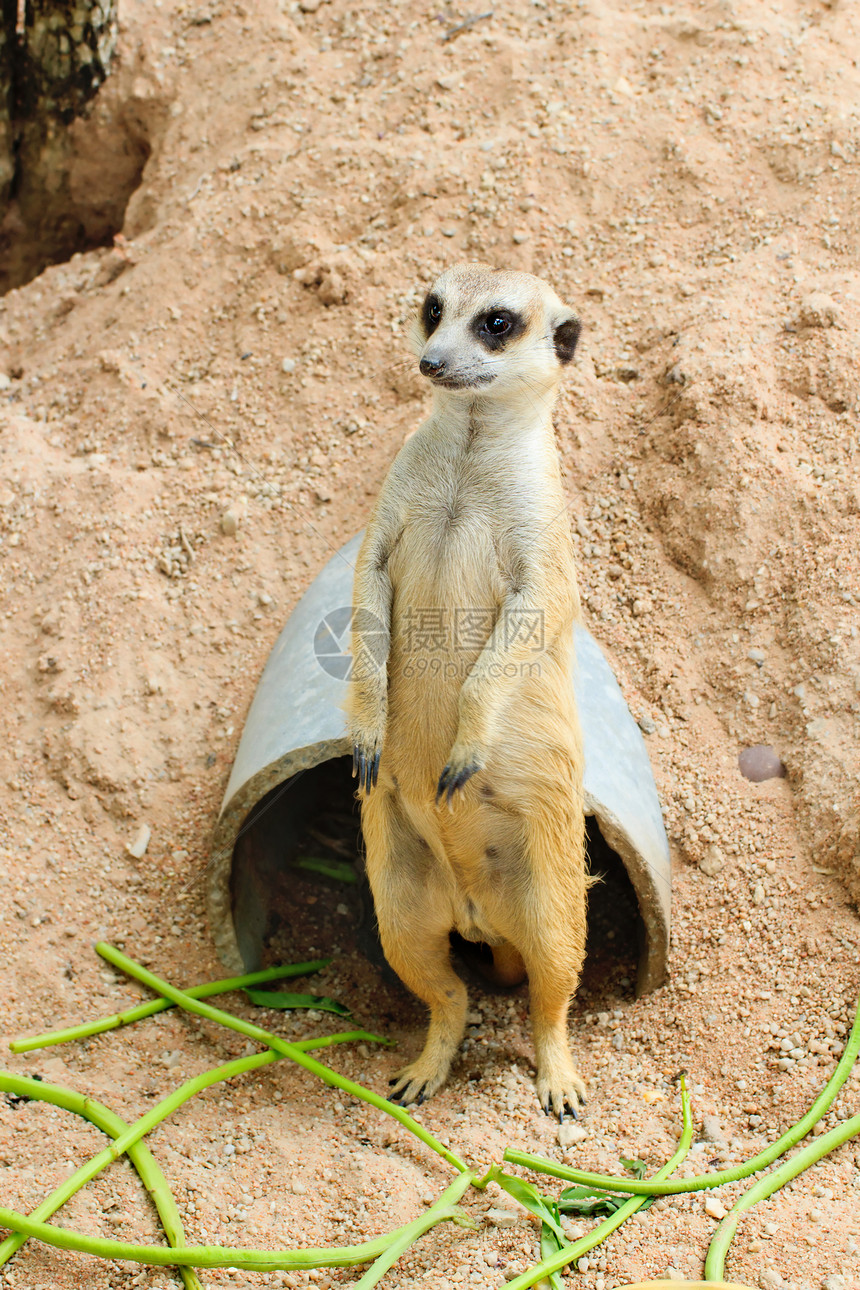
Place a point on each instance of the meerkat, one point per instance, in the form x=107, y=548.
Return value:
x=467, y=746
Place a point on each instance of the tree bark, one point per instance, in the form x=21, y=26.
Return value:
x=68, y=47
x=53, y=68
x=8, y=44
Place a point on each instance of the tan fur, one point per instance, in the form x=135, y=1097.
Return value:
x=472, y=516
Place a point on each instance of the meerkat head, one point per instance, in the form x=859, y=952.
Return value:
x=486, y=331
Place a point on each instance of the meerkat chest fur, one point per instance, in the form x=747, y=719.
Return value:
x=479, y=482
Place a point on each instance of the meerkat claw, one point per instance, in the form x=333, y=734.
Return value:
x=365, y=767
x=451, y=781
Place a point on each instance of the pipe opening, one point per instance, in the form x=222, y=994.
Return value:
x=285, y=909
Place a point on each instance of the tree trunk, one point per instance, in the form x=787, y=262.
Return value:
x=56, y=65
x=8, y=42
x=68, y=46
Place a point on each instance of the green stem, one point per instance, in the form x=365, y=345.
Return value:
x=127, y=1138
x=292, y=1051
x=221, y=1256
x=441, y=1208
x=724, y=1235
x=650, y=1187
x=599, y=1234
x=138, y=1153
x=142, y=1010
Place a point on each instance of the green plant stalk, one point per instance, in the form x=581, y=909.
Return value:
x=442, y=1207
x=223, y=1256
x=127, y=1137
x=138, y=1153
x=716, y=1261
x=137, y=1013
x=281, y=1046
x=599, y=1234
x=651, y=1187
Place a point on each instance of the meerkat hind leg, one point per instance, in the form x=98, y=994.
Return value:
x=413, y=910
x=554, y=957
x=559, y=1085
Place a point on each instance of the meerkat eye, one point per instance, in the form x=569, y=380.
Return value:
x=431, y=312
x=497, y=324
x=497, y=327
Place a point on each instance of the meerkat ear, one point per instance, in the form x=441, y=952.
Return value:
x=565, y=334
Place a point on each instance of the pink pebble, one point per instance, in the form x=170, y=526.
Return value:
x=761, y=762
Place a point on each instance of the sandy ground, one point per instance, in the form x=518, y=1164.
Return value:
x=687, y=177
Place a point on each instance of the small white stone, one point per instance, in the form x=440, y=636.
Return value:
x=137, y=848
x=502, y=1217
x=714, y=1209
x=569, y=1134
x=712, y=862
x=229, y=523
x=288, y=364
x=712, y=1130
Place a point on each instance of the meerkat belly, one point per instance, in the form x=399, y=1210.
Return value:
x=446, y=591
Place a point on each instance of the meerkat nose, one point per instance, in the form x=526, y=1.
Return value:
x=429, y=367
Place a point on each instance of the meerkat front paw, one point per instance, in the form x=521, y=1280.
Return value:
x=462, y=764
x=561, y=1090
x=365, y=763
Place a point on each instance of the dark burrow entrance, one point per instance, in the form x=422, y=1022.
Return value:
x=298, y=889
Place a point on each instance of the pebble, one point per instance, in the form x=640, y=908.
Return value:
x=712, y=1130
x=502, y=1217
x=647, y=725
x=229, y=523
x=834, y=1281
x=770, y=1229
x=714, y=1209
x=770, y=1279
x=519, y=236
x=760, y=762
x=288, y=365
x=712, y=862
x=137, y=848
x=569, y=1133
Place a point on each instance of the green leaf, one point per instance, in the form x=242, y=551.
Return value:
x=280, y=999
x=340, y=870
x=637, y=1168
x=550, y=1245
x=532, y=1200
x=590, y=1202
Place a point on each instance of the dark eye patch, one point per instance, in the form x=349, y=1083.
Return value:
x=431, y=313
x=497, y=327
